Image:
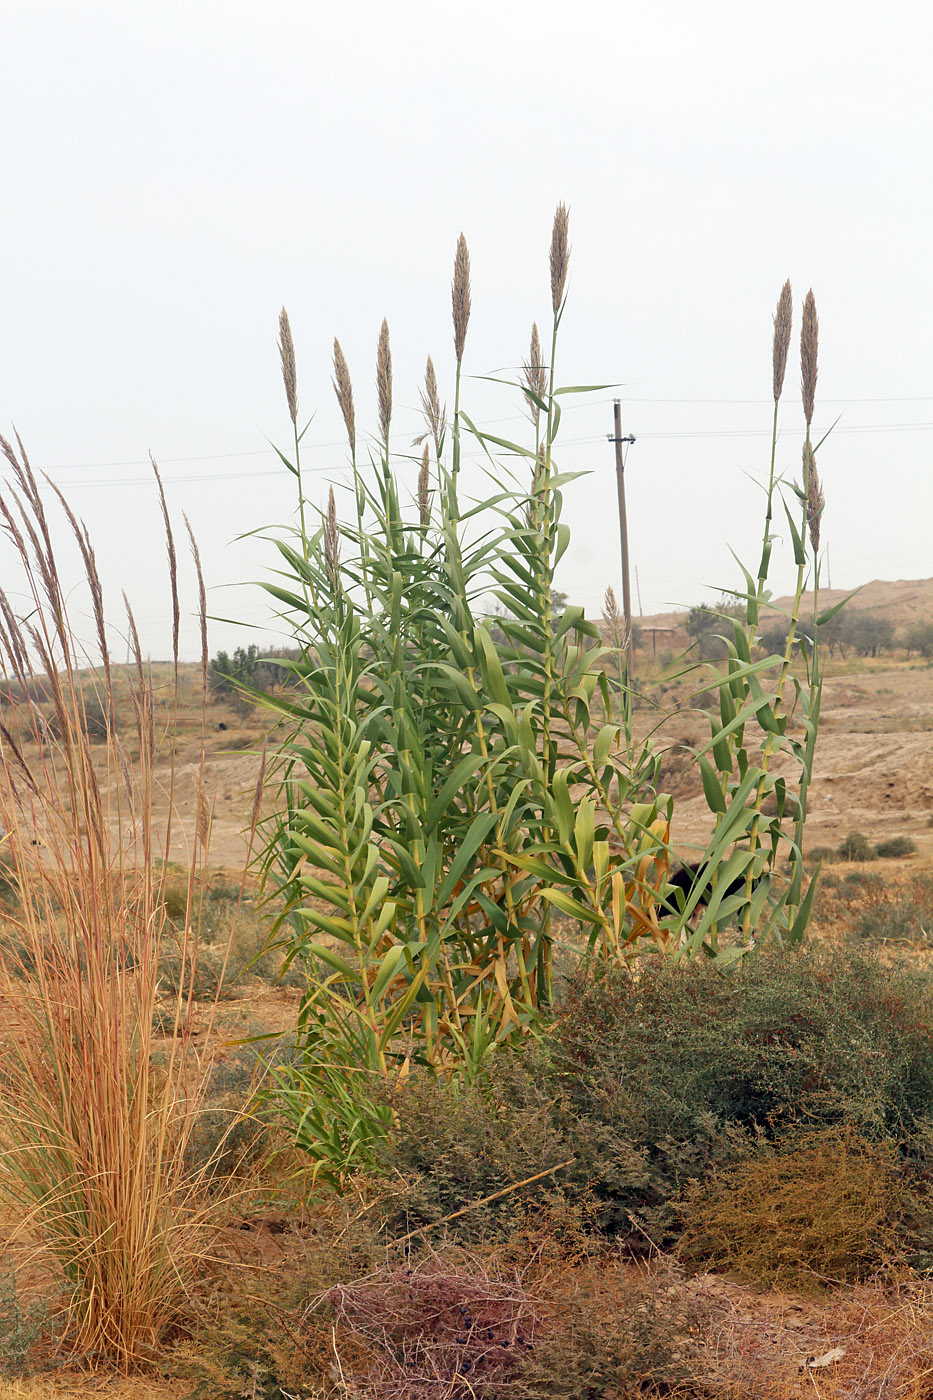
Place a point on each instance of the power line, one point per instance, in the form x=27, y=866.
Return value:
x=671, y=435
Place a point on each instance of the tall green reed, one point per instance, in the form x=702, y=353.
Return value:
x=767, y=711
x=444, y=796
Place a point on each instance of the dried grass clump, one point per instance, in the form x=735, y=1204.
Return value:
x=447, y=1327
x=93, y=1134
x=823, y=1211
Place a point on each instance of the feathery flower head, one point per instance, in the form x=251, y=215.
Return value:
x=289, y=371
x=780, y=345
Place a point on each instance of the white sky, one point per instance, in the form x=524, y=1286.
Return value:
x=174, y=172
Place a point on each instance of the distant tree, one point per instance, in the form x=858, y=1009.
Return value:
x=558, y=603
x=918, y=636
x=833, y=633
x=773, y=637
x=868, y=634
x=248, y=669
x=708, y=623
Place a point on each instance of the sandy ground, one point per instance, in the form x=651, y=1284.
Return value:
x=874, y=761
x=874, y=773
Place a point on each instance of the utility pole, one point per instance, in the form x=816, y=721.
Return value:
x=641, y=611
x=618, y=439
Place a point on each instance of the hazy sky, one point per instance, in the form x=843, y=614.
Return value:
x=174, y=172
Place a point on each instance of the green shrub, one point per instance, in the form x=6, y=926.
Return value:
x=896, y=847
x=856, y=846
x=816, y=854
x=682, y=1069
x=21, y=1326
x=609, y=1333
x=649, y=1082
x=455, y=1145
x=900, y=921
x=202, y=975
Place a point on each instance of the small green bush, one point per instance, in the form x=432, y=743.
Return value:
x=896, y=847
x=649, y=1082
x=455, y=1145
x=817, y=854
x=864, y=882
x=21, y=1326
x=856, y=846
x=906, y=916
x=609, y=1333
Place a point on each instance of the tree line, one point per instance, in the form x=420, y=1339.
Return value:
x=851, y=631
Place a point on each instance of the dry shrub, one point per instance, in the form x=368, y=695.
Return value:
x=822, y=1210
x=258, y=1329
x=615, y=1329
x=448, y=1328
x=464, y=1325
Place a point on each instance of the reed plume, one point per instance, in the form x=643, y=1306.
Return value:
x=460, y=296
x=384, y=381
x=289, y=370
x=332, y=539
x=814, y=494
x=560, y=255
x=809, y=337
x=344, y=391
x=614, y=619
x=435, y=415
x=534, y=372
x=424, y=483
x=780, y=345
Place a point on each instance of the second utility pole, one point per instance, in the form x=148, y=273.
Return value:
x=618, y=439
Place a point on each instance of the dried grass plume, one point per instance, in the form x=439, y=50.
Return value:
x=424, y=485
x=460, y=296
x=534, y=372
x=560, y=255
x=332, y=539
x=614, y=619
x=435, y=415
x=814, y=493
x=384, y=381
x=344, y=391
x=783, y=319
x=289, y=370
x=534, y=507
x=809, y=340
